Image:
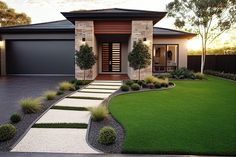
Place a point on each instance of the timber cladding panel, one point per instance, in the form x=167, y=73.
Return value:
x=112, y=27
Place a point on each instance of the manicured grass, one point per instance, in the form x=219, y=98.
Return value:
x=195, y=117
x=83, y=97
x=61, y=125
x=70, y=108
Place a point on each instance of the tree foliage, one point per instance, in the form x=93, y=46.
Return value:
x=139, y=57
x=208, y=18
x=8, y=16
x=85, y=58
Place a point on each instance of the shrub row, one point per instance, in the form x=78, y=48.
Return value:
x=184, y=73
x=221, y=74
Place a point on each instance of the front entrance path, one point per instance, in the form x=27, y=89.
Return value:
x=71, y=110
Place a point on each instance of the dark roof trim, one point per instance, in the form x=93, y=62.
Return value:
x=114, y=14
x=172, y=33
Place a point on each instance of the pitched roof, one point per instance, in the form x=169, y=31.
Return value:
x=55, y=26
x=114, y=14
x=67, y=26
x=165, y=32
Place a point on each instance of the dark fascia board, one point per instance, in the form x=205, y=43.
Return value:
x=189, y=36
x=36, y=30
x=73, y=16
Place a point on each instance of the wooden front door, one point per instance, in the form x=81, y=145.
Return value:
x=111, y=57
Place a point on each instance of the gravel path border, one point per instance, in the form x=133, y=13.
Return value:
x=93, y=131
x=28, y=120
x=94, y=127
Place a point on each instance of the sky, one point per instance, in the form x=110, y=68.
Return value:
x=49, y=10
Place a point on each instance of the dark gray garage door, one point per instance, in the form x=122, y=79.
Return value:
x=40, y=57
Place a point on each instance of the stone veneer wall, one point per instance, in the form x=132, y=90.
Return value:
x=140, y=30
x=85, y=29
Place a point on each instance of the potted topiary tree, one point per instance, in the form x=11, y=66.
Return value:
x=85, y=58
x=139, y=57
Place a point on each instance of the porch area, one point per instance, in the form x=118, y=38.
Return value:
x=112, y=77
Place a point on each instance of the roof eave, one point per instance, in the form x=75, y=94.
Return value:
x=155, y=16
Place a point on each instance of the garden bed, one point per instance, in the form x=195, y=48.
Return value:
x=27, y=121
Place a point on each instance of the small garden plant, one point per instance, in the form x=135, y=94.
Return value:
x=107, y=135
x=50, y=95
x=15, y=118
x=98, y=113
x=30, y=105
x=65, y=85
x=124, y=88
x=135, y=87
x=7, y=132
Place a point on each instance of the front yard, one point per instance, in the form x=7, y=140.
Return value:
x=195, y=117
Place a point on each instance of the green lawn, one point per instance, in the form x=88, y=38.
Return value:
x=196, y=117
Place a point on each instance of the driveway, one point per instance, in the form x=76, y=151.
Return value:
x=12, y=89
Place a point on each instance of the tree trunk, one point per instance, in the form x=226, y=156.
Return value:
x=84, y=74
x=203, y=58
x=139, y=74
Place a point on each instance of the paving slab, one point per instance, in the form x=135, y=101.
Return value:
x=103, y=87
x=97, y=90
x=92, y=95
x=54, y=141
x=65, y=116
x=79, y=102
x=107, y=83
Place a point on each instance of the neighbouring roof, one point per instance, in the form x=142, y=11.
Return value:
x=114, y=14
x=165, y=32
x=65, y=26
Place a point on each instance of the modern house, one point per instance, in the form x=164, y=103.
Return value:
x=48, y=48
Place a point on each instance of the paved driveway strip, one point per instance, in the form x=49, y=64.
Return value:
x=14, y=88
x=66, y=140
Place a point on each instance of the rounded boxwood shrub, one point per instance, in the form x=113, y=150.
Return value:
x=199, y=76
x=129, y=82
x=107, y=135
x=124, y=88
x=15, y=118
x=157, y=85
x=135, y=86
x=7, y=132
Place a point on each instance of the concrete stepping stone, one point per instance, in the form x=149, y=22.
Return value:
x=79, y=103
x=113, y=81
x=97, y=90
x=65, y=116
x=102, y=87
x=54, y=141
x=107, y=83
x=91, y=95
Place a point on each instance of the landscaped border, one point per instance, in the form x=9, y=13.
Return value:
x=28, y=120
x=94, y=127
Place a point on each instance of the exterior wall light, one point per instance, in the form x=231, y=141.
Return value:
x=144, y=39
x=1, y=44
x=83, y=39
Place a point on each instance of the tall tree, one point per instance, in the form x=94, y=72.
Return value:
x=208, y=18
x=85, y=58
x=139, y=57
x=8, y=16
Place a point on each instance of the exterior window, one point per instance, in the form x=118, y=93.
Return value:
x=165, y=57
